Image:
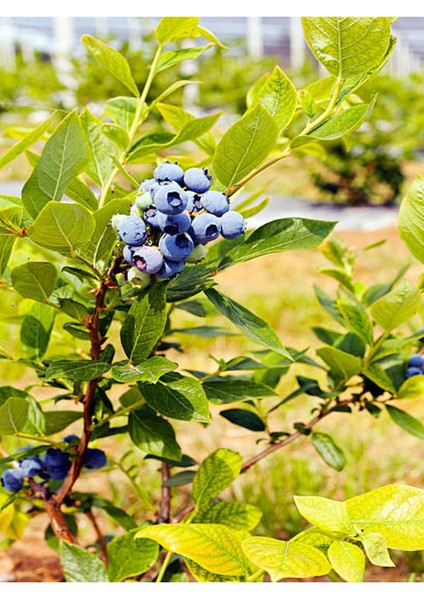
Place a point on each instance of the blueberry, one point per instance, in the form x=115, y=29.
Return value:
x=215, y=203
x=135, y=211
x=169, y=172
x=194, y=204
x=12, y=480
x=197, y=180
x=127, y=253
x=232, y=225
x=30, y=467
x=205, y=228
x=174, y=224
x=416, y=360
x=149, y=185
x=144, y=200
x=57, y=473
x=94, y=459
x=56, y=463
x=71, y=439
x=176, y=247
x=411, y=371
x=117, y=220
x=132, y=231
x=138, y=278
x=151, y=217
x=170, y=198
x=170, y=269
x=147, y=259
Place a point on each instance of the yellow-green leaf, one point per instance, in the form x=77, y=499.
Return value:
x=285, y=559
x=216, y=548
x=396, y=307
x=376, y=549
x=347, y=560
x=215, y=474
x=324, y=513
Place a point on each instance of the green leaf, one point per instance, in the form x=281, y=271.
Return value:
x=101, y=165
x=76, y=370
x=411, y=219
x=144, y=324
x=35, y=280
x=285, y=559
x=190, y=131
x=236, y=515
x=225, y=390
x=245, y=145
x=13, y=415
x=376, y=549
x=99, y=245
x=58, y=420
x=150, y=370
x=214, y=547
x=6, y=247
x=215, y=474
x=252, y=326
x=278, y=96
x=24, y=143
x=64, y=156
x=174, y=57
x=171, y=29
x=117, y=134
x=411, y=388
x=342, y=365
x=117, y=514
x=379, y=375
x=129, y=557
x=326, y=514
x=177, y=397
x=152, y=434
x=395, y=511
x=279, y=235
x=355, y=317
x=396, y=307
x=347, y=560
x=244, y=418
x=79, y=565
x=347, y=46
x=406, y=422
x=343, y=122
x=329, y=451
x=63, y=227
x=36, y=328
x=121, y=110
x=112, y=60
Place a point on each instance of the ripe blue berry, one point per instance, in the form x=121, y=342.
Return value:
x=71, y=439
x=127, y=253
x=176, y=247
x=194, y=204
x=416, y=360
x=205, y=228
x=151, y=217
x=215, y=203
x=170, y=269
x=94, y=459
x=174, y=224
x=171, y=199
x=169, y=172
x=232, y=225
x=148, y=259
x=149, y=185
x=30, y=467
x=411, y=371
x=132, y=231
x=56, y=463
x=12, y=480
x=197, y=180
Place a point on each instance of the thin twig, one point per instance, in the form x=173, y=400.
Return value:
x=103, y=545
x=164, y=515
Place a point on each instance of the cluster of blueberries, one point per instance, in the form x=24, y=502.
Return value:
x=415, y=365
x=54, y=465
x=174, y=216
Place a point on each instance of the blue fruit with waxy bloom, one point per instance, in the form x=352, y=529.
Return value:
x=151, y=217
x=174, y=224
x=197, y=180
x=12, y=480
x=416, y=360
x=148, y=259
x=171, y=199
x=170, y=269
x=127, y=253
x=232, y=225
x=169, y=172
x=176, y=247
x=31, y=467
x=215, y=203
x=132, y=231
x=205, y=228
x=94, y=459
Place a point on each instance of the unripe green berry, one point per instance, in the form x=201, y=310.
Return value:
x=138, y=278
x=197, y=255
x=144, y=200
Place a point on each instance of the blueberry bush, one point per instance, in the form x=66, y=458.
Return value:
x=122, y=221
